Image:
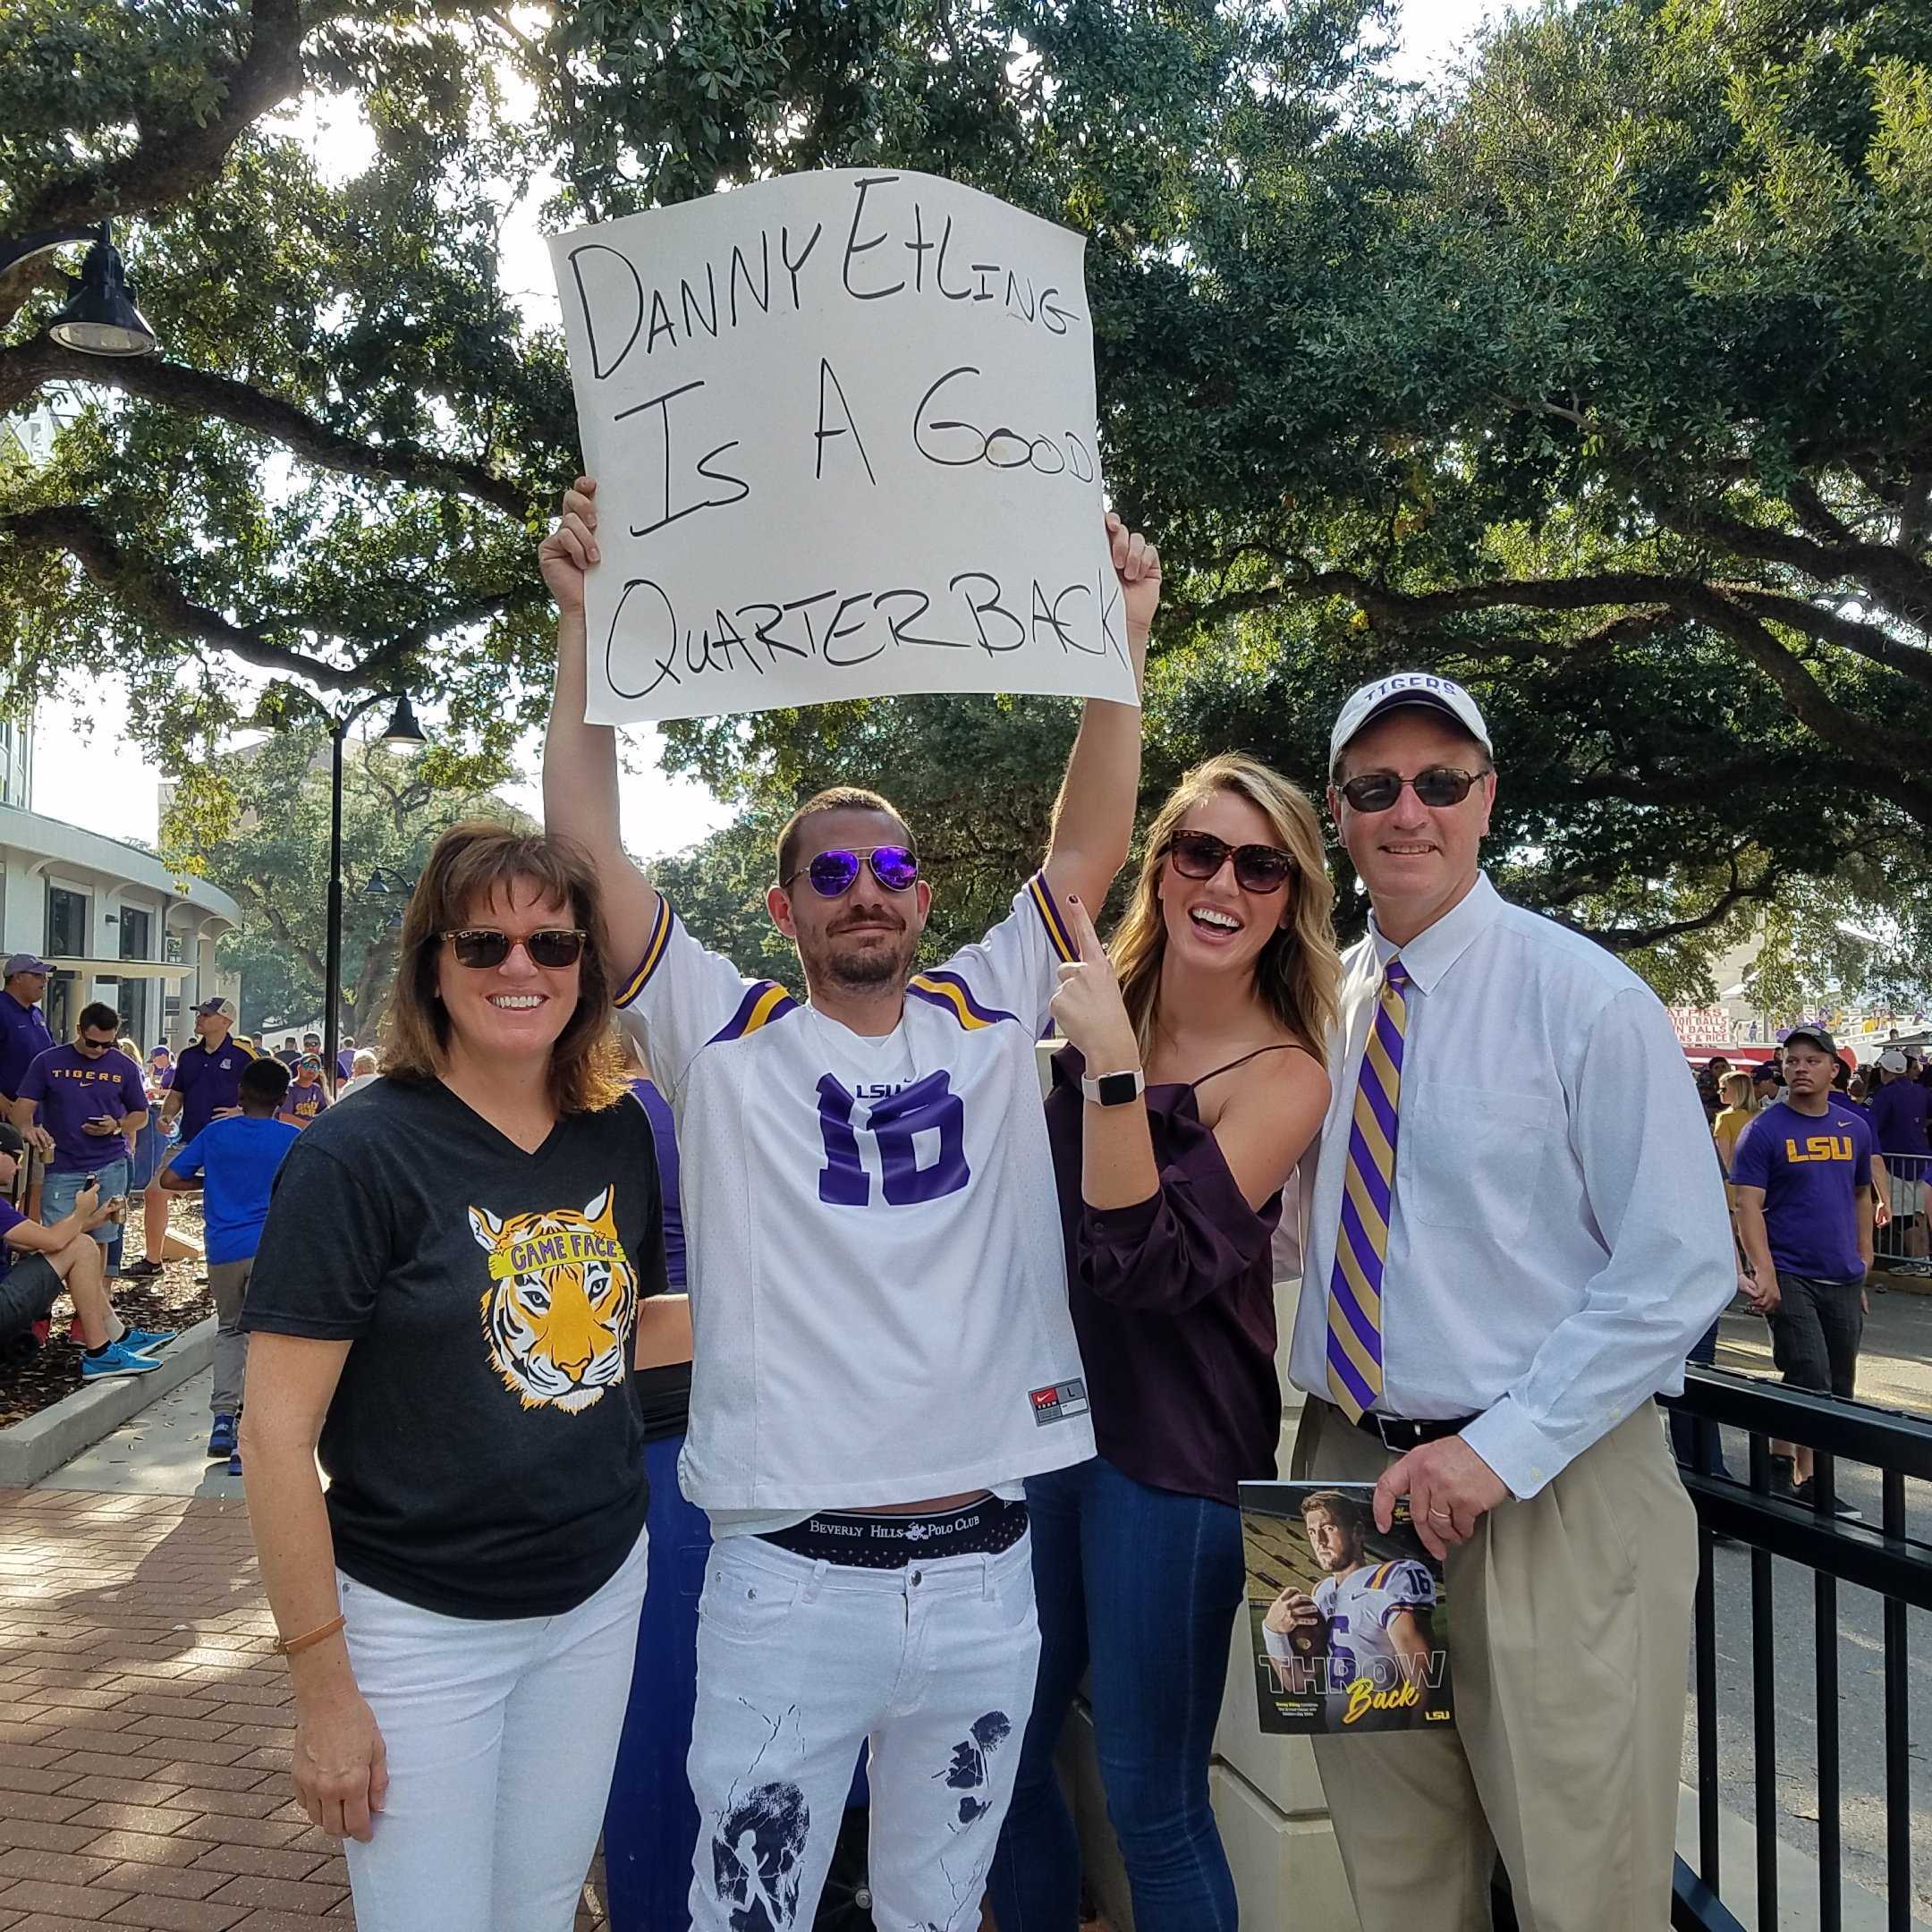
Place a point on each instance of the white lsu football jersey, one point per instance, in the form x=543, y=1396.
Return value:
x=874, y=1253
x=1360, y=1608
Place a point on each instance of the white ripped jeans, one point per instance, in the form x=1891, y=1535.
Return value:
x=501, y=1734
x=801, y=1663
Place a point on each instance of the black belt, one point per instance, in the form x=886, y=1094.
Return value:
x=1401, y=1435
x=865, y=1541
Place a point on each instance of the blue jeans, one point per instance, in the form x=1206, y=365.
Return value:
x=650, y=1824
x=1140, y=1586
x=57, y=1202
x=1694, y=1442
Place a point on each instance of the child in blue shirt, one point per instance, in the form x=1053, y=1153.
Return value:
x=233, y=1162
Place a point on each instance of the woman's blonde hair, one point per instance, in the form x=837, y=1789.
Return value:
x=469, y=860
x=1736, y=1088
x=1299, y=971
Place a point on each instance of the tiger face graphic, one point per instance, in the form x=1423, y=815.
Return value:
x=561, y=1303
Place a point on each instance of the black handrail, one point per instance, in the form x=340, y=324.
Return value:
x=1883, y=1558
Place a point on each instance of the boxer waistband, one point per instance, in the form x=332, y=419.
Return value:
x=860, y=1540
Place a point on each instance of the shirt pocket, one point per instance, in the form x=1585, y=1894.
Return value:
x=1468, y=1158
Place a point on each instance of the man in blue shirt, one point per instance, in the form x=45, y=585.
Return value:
x=36, y=1263
x=1898, y=1110
x=1800, y=1177
x=233, y=1161
x=92, y=1104
x=24, y=1037
x=207, y=1077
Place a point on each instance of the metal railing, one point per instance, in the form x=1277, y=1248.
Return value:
x=1882, y=1558
x=1894, y=1245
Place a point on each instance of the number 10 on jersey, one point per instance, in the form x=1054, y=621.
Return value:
x=929, y=1108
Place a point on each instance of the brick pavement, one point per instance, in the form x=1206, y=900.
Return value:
x=144, y=1727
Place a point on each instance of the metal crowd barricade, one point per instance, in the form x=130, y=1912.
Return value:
x=1894, y=1245
x=1882, y=1558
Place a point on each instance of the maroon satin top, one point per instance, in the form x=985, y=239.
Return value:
x=1173, y=1303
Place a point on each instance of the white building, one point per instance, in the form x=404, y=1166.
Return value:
x=109, y=919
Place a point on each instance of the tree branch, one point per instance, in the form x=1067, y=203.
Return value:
x=1830, y=627
x=1815, y=512
x=196, y=393
x=148, y=592
x=1915, y=510
x=1899, y=582
x=145, y=590
x=172, y=157
x=1632, y=939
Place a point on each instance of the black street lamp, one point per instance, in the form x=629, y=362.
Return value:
x=101, y=317
x=391, y=890
x=402, y=732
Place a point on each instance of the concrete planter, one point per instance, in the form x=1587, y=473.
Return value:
x=39, y=1446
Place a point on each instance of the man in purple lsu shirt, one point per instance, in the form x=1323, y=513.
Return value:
x=1802, y=1176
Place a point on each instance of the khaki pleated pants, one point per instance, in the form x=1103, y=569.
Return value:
x=1570, y=1634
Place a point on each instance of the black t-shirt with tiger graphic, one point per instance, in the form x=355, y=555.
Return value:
x=485, y=1445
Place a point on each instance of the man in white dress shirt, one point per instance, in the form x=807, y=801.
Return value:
x=1517, y=1232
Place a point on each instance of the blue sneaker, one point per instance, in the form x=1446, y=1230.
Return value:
x=148, y=1340
x=234, y=1462
x=221, y=1441
x=117, y=1359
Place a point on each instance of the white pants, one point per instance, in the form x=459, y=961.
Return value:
x=501, y=1735
x=798, y=1664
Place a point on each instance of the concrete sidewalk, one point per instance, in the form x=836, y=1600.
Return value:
x=144, y=1723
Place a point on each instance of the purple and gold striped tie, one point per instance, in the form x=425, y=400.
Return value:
x=1361, y=1238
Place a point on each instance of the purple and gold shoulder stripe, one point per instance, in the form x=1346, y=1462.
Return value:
x=950, y=992
x=654, y=950
x=1057, y=926
x=765, y=1000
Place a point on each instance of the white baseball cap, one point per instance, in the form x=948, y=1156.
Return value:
x=1892, y=1061
x=1406, y=688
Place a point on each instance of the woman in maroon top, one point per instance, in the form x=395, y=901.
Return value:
x=1220, y=994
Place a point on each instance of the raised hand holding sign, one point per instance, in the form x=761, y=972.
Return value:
x=844, y=429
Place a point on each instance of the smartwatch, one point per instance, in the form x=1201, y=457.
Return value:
x=1114, y=1089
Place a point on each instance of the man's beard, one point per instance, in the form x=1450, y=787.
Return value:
x=866, y=971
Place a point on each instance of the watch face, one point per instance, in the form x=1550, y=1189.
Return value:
x=1116, y=1090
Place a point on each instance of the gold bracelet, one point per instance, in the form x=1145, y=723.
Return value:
x=289, y=1646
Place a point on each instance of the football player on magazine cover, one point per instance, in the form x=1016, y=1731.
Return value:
x=1367, y=1619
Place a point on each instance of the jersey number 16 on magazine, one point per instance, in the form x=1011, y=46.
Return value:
x=1349, y=1625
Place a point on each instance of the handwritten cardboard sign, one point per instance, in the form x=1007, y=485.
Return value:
x=843, y=427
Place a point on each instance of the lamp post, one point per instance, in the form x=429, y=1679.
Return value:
x=402, y=730
x=101, y=317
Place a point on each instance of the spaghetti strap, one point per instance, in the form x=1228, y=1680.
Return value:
x=1284, y=1047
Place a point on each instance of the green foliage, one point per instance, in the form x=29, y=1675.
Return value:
x=1597, y=380
x=256, y=823
x=718, y=889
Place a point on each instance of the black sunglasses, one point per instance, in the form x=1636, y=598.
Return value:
x=1440, y=786
x=832, y=873
x=1257, y=869
x=482, y=946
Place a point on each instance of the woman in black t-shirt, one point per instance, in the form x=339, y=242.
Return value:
x=444, y=1307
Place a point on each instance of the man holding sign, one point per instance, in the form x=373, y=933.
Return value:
x=883, y=1350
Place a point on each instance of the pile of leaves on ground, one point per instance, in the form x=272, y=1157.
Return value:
x=175, y=1298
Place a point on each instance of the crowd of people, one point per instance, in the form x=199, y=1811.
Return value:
x=1820, y=1156
x=797, y=1427
x=90, y=1128
x=668, y=1396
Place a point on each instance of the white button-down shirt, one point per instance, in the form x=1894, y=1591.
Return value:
x=1558, y=1238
